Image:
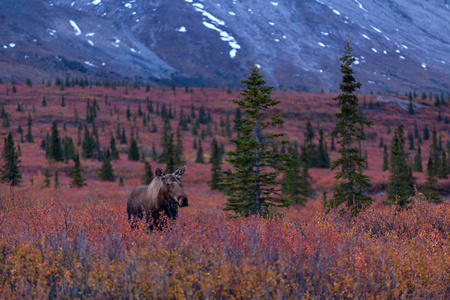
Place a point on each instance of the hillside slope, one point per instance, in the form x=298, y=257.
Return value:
x=400, y=45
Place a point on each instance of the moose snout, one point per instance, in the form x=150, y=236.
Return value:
x=183, y=201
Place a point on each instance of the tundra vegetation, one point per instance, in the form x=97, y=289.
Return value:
x=73, y=239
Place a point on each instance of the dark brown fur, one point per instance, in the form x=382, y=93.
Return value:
x=161, y=197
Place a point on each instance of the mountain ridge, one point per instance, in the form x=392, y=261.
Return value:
x=400, y=45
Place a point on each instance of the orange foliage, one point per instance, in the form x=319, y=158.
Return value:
x=71, y=243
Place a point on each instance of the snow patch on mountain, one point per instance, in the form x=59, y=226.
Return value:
x=75, y=27
x=224, y=35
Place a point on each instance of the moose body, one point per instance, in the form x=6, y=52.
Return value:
x=159, y=200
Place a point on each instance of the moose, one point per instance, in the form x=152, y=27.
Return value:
x=159, y=200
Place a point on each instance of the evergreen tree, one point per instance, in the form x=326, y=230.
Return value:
x=44, y=102
x=123, y=137
x=312, y=151
x=165, y=134
x=443, y=169
x=148, y=174
x=112, y=147
x=323, y=160
x=305, y=188
x=418, y=160
x=56, y=185
x=47, y=176
x=333, y=146
x=69, y=149
x=426, y=133
x=88, y=146
x=77, y=173
x=199, y=158
x=411, y=108
x=381, y=145
x=128, y=113
x=385, y=159
x=430, y=188
x=170, y=155
x=434, y=152
x=291, y=179
x=411, y=141
x=252, y=188
x=399, y=186
x=63, y=103
x=133, y=152
x=10, y=172
x=416, y=130
x=216, y=169
x=106, y=172
x=140, y=113
x=55, y=150
x=351, y=188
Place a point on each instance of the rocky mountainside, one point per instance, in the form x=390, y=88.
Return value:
x=400, y=45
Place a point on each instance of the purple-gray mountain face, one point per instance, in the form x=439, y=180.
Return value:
x=399, y=45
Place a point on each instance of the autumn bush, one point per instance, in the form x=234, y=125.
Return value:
x=78, y=248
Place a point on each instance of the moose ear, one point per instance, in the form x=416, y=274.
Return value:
x=159, y=173
x=178, y=173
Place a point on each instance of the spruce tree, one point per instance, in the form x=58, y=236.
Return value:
x=252, y=188
x=46, y=183
x=170, y=155
x=10, y=172
x=69, y=149
x=434, y=152
x=112, y=147
x=106, y=172
x=443, y=169
x=430, y=188
x=148, y=174
x=55, y=149
x=133, y=152
x=199, y=158
x=77, y=173
x=385, y=159
x=400, y=182
x=88, y=146
x=333, y=146
x=323, y=159
x=352, y=183
x=216, y=169
x=312, y=151
x=418, y=160
x=56, y=182
x=291, y=179
x=305, y=188
x=411, y=108
x=426, y=133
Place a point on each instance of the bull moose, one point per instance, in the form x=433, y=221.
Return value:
x=159, y=200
